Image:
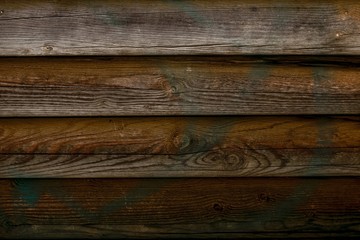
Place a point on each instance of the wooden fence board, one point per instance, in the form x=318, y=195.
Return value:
x=79, y=27
x=165, y=119
x=179, y=147
x=178, y=86
x=179, y=207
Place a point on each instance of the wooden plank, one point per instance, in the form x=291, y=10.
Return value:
x=179, y=147
x=80, y=27
x=171, y=208
x=178, y=86
x=130, y=232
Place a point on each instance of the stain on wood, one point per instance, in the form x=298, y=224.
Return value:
x=178, y=86
x=179, y=147
x=163, y=119
x=45, y=27
x=179, y=207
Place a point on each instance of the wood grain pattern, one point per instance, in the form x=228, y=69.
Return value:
x=112, y=134
x=79, y=27
x=178, y=86
x=149, y=208
x=180, y=147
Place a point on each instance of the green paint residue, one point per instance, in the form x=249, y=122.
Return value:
x=29, y=190
x=189, y=9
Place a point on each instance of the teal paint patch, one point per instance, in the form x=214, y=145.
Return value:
x=144, y=189
x=280, y=16
x=111, y=19
x=323, y=151
x=282, y=211
x=169, y=77
x=60, y=194
x=257, y=75
x=189, y=9
x=195, y=140
x=4, y=221
x=108, y=17
x=259, y=72
x=321, y=155
x=320, y=76
x=29, y=190
x=278, y=213
x=214, y=135
x=178, y=90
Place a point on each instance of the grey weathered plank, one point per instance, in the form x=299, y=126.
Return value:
x=179, y=147
x=171, y=208
x=178, y=86
x=80, y=27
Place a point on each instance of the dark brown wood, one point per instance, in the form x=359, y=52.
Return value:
x=151, y=208
x=178, y=86
x=149, y=121
x=180, y=147
x=80, y=27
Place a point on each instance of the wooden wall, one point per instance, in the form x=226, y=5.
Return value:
x=179, y=119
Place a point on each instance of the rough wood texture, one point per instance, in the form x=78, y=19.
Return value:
x=180, y=147
x=150, y=121
x=80, y=27
x=178, y=86
x=90, y=208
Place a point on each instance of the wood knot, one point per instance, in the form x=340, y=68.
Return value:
x=311, y=214
x=253, y=9
x=47, y=48
x=173, y=89
x=264, y=197
x=218, y=207
x=185, y=142
x=215, y=157
x=1, y=11
x=181, y=142
x=227, y=161
x=233, y=162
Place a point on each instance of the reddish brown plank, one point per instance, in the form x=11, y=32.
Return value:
x=178, y=86
x=179, y=147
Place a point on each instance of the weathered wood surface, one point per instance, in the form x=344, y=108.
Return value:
x=178, y=86
x=180, y=147
x=80, y=27
x=151, y=208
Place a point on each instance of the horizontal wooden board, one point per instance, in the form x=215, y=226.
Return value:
x=153, y=208
x=179, y=147
x=178, y=86
x=80, y=27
